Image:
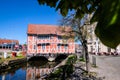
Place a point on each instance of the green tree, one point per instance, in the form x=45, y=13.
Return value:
x=106, y=13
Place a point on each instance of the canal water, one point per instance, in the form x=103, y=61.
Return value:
x=33, y=70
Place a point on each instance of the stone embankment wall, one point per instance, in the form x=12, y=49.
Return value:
x=7, y=65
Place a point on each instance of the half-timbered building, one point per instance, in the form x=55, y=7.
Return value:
x=47, y=39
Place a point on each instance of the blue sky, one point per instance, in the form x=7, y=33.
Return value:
x=15, y=15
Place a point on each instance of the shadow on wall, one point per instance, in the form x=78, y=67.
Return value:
x=38, y=58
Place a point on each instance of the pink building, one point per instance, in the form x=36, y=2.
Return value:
x=45, y=39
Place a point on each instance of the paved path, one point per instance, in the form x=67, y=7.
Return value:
x=108, y=67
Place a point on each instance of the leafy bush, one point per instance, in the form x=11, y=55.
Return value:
x=82, y=59
x=64, y=70
x=71, y=59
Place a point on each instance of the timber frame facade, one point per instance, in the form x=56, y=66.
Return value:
x=47, y=39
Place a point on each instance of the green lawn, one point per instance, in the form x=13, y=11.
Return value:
x=10, y=58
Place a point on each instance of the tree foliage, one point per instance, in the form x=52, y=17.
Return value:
x=108, y=27
x=80, y=7
x=106, y=12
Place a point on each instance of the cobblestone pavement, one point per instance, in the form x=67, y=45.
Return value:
x=108, y=67
x=78, y=74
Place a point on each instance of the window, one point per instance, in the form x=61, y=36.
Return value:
x=43, y=46
x=34, y=47
x=65, y=46
x=91, y=38
x=43, y=36
x=59, y=37
x=109, y=49
x=58, y=46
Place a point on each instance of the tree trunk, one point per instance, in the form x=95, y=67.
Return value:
x=86, y=54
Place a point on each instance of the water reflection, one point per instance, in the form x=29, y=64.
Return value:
x=14, y=74
x=32, y=70
x=38, y=70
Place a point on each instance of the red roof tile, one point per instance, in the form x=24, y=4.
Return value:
x=44, y=29
x=8, y=41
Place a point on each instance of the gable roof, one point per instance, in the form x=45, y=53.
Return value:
x=8, y=41
x=44, y=29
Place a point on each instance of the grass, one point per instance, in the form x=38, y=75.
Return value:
x=11, y=58
x=81, y=59
x=19, y=56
